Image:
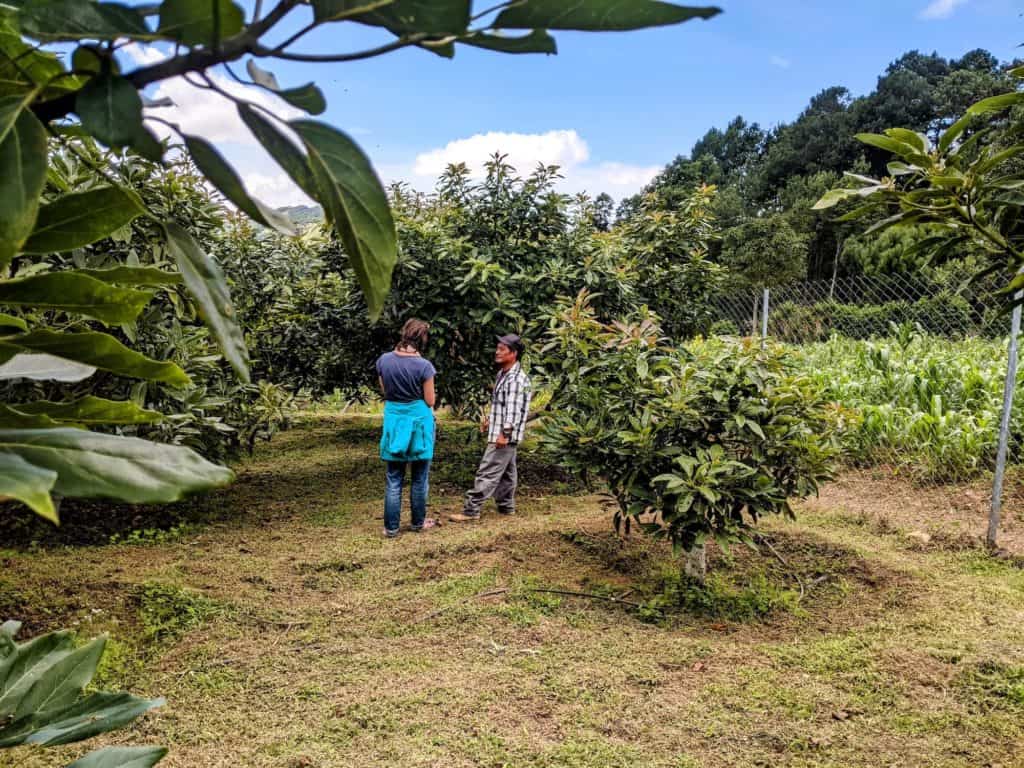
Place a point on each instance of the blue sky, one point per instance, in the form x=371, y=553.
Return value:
x=610, y=108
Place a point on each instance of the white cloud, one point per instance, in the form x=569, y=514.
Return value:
x=524, y=150
x=564, y=148
x=781, y=62
x=275, y=189
x=940, y=9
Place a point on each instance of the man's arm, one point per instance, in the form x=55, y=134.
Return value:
x=518, y=408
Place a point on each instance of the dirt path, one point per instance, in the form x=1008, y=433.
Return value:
x=285, y=631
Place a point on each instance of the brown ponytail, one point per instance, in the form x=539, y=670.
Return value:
x=414, y=334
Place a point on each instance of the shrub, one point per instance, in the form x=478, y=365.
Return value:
x=692, y=442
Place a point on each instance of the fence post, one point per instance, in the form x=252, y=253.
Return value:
x=1004, y=425
x=764, y=317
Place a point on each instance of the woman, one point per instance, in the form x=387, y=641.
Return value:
x=407, y=381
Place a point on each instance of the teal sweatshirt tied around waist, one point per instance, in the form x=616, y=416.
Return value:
x=408, y=432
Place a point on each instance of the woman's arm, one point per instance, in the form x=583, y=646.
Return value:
x=428, y=392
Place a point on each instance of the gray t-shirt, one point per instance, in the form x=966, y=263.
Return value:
x=403, y=376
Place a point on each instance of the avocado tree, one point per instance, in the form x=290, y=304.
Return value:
x=692, y=443
x=44, y=96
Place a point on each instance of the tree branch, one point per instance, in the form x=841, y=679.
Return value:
x=401, y=42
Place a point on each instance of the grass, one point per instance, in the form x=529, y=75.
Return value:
x=286, y=632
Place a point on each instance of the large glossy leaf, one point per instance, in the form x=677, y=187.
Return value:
x=64, y=682
x=80, y=294
x=110, y=109
x=355, y=202
x=133, y=276
x=281, y=148
x=82, y=218
x=206, y=283
x=10, y=107
x=598, y=15
x=23, y=160
x=432, y=17
x=121, y=757
x=28, y=484
x=19, y=672
x=538, y=41
x=40, y=367
x=75, y=20
x=95, y=714
x=200, y=22
x=93, y=465
x=91, y=410
x=99, y=350
x=217, y=170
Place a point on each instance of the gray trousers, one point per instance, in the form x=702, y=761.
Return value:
x=496, y=476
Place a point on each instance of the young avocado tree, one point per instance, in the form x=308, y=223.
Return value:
x=693, y=442
x=43, y=700
x=43, y=448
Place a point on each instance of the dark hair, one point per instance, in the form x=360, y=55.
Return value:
x=414, y=334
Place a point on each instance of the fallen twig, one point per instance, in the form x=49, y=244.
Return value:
x=610, y=599
x=439, y=611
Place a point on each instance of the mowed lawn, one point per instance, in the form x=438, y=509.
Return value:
x=285, y=631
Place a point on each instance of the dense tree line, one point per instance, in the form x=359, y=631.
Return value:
x=768, y=179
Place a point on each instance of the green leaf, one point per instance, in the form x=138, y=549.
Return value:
x=97, y=713
x=281, y=148
x=206, y=283
x=94, y=465
x=201, y=22
x=996, y=103
x=10, y=321
x=99, y=350
x=133, y=276
x=20, y=671
x=431, y=17
x=40, y=367
x=885, y=142
x=355, y=202
x=834, y=197
x=23, y=68
x=538, y=41
x=215, y=168
x=82, y=218
x=65, y=681
x=23, y=159
x=29, y=484
x=916, y=140
x=71, y=292
x=598, y=15
x=306, y=97
x=121, y=757
x=950, y=134
x=76, y=20
x=11, y=107
x=111, y=110
x=91, y=410
x=11, y=418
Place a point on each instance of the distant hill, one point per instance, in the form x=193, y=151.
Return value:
x=303, y=214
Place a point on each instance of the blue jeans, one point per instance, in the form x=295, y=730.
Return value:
x=417, y=494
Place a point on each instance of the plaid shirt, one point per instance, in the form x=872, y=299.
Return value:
x=509, y=404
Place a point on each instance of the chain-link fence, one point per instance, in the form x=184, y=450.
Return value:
x=917, y=368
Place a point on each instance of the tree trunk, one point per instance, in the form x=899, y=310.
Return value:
x=835, y=268
x=695, y=566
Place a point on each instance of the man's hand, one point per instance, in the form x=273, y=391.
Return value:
x=501, y=442
x=485, y=425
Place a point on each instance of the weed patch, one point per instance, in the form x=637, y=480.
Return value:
x=993, y=685
x=167, y=611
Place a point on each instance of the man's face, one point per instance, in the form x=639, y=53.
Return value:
x=503, y=355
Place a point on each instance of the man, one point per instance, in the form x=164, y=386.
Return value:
x=497, y=476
